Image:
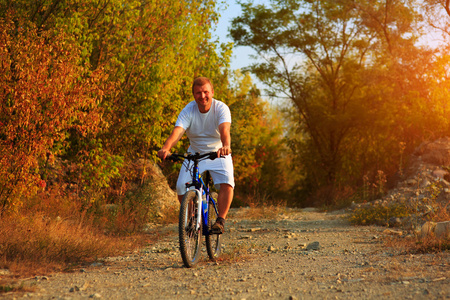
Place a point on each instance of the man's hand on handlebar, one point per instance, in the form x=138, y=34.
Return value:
x=163, y=154
x=225, y=150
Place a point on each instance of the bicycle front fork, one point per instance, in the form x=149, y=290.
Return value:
x=199, y=207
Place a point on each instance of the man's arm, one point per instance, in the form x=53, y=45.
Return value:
x=225, y=137
x=171, y=141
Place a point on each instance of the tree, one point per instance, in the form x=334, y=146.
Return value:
x=147, y=53
x=256, y=144
x=435, y=11
x=44, y=93
x=350, y=69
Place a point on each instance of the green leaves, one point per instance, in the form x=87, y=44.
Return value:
x=353, y=75
x=256, y=144
x=97, y=82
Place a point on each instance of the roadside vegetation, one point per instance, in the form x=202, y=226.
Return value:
x=89, y=87
x=409, y=217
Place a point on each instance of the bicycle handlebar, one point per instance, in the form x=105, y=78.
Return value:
x=189, y=156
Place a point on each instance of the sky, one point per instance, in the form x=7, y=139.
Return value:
x=241, y=54
x=240, y=57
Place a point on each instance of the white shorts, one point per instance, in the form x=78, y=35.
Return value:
x=221, y=170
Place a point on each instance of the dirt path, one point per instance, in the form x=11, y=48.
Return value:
x=264, y=259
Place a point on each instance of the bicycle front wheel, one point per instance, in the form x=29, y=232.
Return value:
x=190, y=237
x=213, y=241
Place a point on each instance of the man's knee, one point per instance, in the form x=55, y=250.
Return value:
x=226, y=188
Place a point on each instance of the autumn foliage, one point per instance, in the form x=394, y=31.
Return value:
x=45, y=93
x=364, y=87
x=87, y=87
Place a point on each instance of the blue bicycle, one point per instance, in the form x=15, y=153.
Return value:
x=198, y=211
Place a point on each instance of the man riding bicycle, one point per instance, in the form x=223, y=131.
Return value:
x=207, y=123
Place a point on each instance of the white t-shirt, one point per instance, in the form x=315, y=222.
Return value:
x=203, y=129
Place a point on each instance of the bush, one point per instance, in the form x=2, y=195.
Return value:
x=35, y=243
x=378, y=214
x=55, y=231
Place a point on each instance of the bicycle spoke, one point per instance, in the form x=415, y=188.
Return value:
x=189, y=236
x=213, y=241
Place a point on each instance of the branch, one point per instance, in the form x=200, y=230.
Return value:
x=91, y=21
x=447, y=7
x=439, y=28
x=38, y=6
x=48, y=13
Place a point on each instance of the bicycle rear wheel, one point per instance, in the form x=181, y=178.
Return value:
x=213, y=241
x=190, y=238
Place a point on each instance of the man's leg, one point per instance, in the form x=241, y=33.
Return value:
x=224, y=202
x=225, y=198
x=183, y=177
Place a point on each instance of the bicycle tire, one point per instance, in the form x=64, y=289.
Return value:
x=213, y=241
x=190, y=239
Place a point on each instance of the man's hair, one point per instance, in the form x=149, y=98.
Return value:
x=201, y=81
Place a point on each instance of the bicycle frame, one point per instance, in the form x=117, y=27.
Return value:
x=197, y=190
x=200, y=188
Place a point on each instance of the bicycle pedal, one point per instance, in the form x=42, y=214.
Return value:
x=215, y=231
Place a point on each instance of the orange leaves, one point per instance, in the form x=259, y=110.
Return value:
x=115, y=72
x=44, y=93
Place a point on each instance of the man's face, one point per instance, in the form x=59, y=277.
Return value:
x=203, y=96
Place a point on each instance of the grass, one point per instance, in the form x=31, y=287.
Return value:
x=7, y=286
x=378, y=214
x=381, y=214
x=34, y=244
x=235, y=253
x=416, y=245
x=430, y=245
x=269, y=212
x=54, y=233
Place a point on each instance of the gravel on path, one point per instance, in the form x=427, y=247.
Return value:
x=302, y=254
